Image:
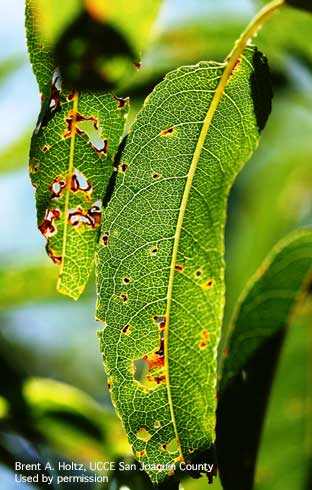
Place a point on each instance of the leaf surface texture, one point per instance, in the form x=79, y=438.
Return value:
x=160, y=259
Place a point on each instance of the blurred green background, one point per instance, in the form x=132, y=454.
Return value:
x=53, y=398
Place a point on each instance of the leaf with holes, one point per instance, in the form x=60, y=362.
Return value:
x=257, y=332
x=160, y=263
x=71, y=162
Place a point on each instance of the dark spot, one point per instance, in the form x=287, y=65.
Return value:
x=47, y=227
x=179, y=268
x=209, y=283
x=126, y=280
x=124, y=297
x=80, y=183
x=203, y=344
x=153, y=251
x=123, y=167
x=105, y=238
x=237, y=63
x=71, y=96
x=56, y=187
x=91, y=218
x=138, y=65
x=45, y=148
x=155, y=176
x=57, y=259
x=126, y=329
x=121, y=103
x=167, y=132
x=206, y=334
x=109, y=386
x=160, y=320
x=198, y=273
x=99, y=150
x=163, y=447
x=191, y=450
x=158, y=379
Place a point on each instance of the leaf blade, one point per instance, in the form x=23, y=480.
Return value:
x=71, y=162
x=155, y=271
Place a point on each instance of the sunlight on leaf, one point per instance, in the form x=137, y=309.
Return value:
x=160, y=278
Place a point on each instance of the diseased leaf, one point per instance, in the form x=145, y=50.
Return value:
x=258, y=329
x=160, y=260
x=71, y=162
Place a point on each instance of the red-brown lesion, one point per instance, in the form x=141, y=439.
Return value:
x=57, y=259
x=56, y=187
x=91, y=218
x=122, y=102
x=168, y=132
x=47, y=227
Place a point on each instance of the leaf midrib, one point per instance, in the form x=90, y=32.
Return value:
x=231, y=62
x=67, y=192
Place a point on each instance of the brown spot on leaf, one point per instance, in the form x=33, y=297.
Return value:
x=138, y=65
x=126, y=329
x=140, y=454
x=160, y=320
x=57, y=259
x=179, y=268
x=167, y=132
x=124, y=297
x=153, y=251
x=203, y=344
x=208, y=284
x=198, y=273
x=105, y=238
x=205, y=334
x=157, y=379
x=125, y=280
x=56, y=187
x=91, y=218
x=47, y=227
x=121, y=102
x=163, y=447
x=123, y=167
x=103, y=149
x=80, y=183
x=45, y=148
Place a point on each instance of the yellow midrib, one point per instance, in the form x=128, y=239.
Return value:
x=67, y=192
x=231, y=61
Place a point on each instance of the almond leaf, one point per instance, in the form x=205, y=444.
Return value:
x=160, y=263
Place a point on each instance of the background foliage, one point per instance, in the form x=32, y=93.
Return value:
x=52, y=390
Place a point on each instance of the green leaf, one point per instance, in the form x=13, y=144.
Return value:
x=160, y=260
x=39, y=50
x=71, y=162
x=263, y=313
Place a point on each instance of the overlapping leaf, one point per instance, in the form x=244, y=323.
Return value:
x=258, y=329
x=160, y=259
x=71, y=157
